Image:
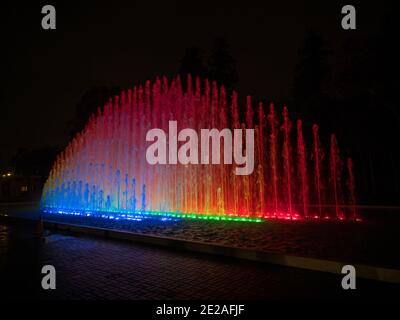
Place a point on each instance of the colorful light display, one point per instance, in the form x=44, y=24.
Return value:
x=104, y=172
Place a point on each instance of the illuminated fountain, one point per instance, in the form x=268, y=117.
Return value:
x=104, y=172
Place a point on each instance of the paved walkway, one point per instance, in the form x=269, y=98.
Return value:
x=371, y=242
x=90, y=268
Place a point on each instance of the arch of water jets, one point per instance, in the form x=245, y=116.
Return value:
x=103, y=171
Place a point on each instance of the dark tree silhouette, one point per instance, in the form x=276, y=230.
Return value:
x=366, y=106
x=358, y=101
x=387, y=63
x=90, y=101
x=312, y=77
x=222, y=65
x=29, y=162
x=192, y=63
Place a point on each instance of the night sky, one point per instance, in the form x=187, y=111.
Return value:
x=45, y=73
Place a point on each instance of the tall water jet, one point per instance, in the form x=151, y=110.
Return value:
x=317, y=155
x=273, y=145
x=335, y=174
x=261, y=157
x=248, y=186
x=302, y=168
x=234, y=178
x=351, y=189
x=287, y=158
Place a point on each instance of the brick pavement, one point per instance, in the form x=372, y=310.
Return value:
x=90, y=268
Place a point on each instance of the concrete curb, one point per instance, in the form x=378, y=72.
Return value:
x=363, y=271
